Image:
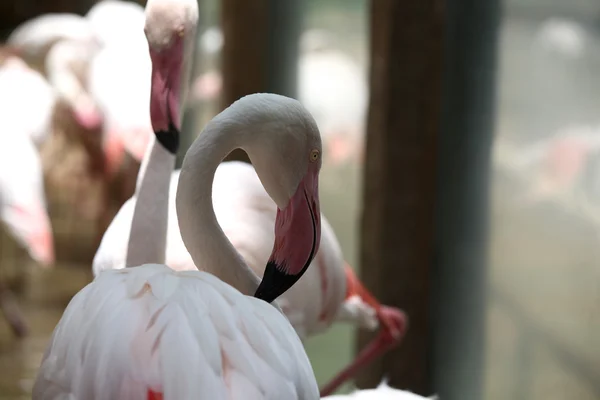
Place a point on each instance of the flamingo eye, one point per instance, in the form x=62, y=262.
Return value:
x=314, y=155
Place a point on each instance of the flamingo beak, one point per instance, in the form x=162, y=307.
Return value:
x=297, y=240
x=165, y=107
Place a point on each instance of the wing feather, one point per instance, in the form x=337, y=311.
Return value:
x=185, y=334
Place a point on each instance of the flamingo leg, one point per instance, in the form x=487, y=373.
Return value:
x=11, y=311
x=393, y=321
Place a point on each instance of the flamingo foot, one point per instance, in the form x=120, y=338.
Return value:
x=393, y=322
x=386, y=340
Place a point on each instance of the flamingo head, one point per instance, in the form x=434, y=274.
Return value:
x=65, y=64
x=170, y=30
x=287, y=161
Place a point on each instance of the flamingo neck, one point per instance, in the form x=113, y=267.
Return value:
x=148, y=235
x=202, y=235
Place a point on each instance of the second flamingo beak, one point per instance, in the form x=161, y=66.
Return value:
x=165, y=93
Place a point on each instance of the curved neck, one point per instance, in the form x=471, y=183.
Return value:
x=148, y=234
x=202, y=235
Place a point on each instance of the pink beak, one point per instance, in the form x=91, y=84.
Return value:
x=297, y=240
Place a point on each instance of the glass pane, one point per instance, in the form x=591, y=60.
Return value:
x=545, y=278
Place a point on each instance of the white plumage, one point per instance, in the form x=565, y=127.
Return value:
x=185, y=334
x=246, y=214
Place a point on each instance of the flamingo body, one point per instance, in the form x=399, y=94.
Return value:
x=247, y=214
x=186, y=335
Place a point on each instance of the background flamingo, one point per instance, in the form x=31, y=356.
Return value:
x=22, y=199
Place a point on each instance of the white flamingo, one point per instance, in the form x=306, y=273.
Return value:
x=116, y=21
x=35, y=37
x=149, y=331
x=22, y=199
x=126, y=120
x=28, y=97
x=66, y=67
x=246, y=213
x=185, y=335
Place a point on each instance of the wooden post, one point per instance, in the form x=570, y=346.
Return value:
x=260, y=49
x=463, y=170
x=399, y=177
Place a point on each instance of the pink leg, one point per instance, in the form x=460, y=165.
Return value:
x=394, y=323
x=12, y=313
x=384, y=342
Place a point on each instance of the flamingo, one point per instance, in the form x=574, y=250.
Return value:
x=246, y=213
x=29, y=97
x=116, y=22
x=66, y=66
x=141, y=232
x=381, y=392
x=21, y=185
x=22, y=199
x=127, y=125
x=150, y=332
x=35, y=37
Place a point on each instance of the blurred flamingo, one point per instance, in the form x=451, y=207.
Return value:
x=22, y=198
x=554, y=167
x=157, y=333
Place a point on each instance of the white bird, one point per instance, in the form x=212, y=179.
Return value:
x=27, y=99
x=117, y=22
x=35, y=37
x=22, y=198
x=381, y=392
x=157, y=333
x=188, y=334
x=146, y=230
x=67, y=66
x=127, y=125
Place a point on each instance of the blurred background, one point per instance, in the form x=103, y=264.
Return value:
x=461, y=145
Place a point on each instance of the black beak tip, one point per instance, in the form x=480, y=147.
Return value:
x=275, y=282
x=169, y=139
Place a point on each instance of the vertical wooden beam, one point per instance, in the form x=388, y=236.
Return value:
x=244, y=55
x=462, y=199
x=260, y=50
x=399, y=177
